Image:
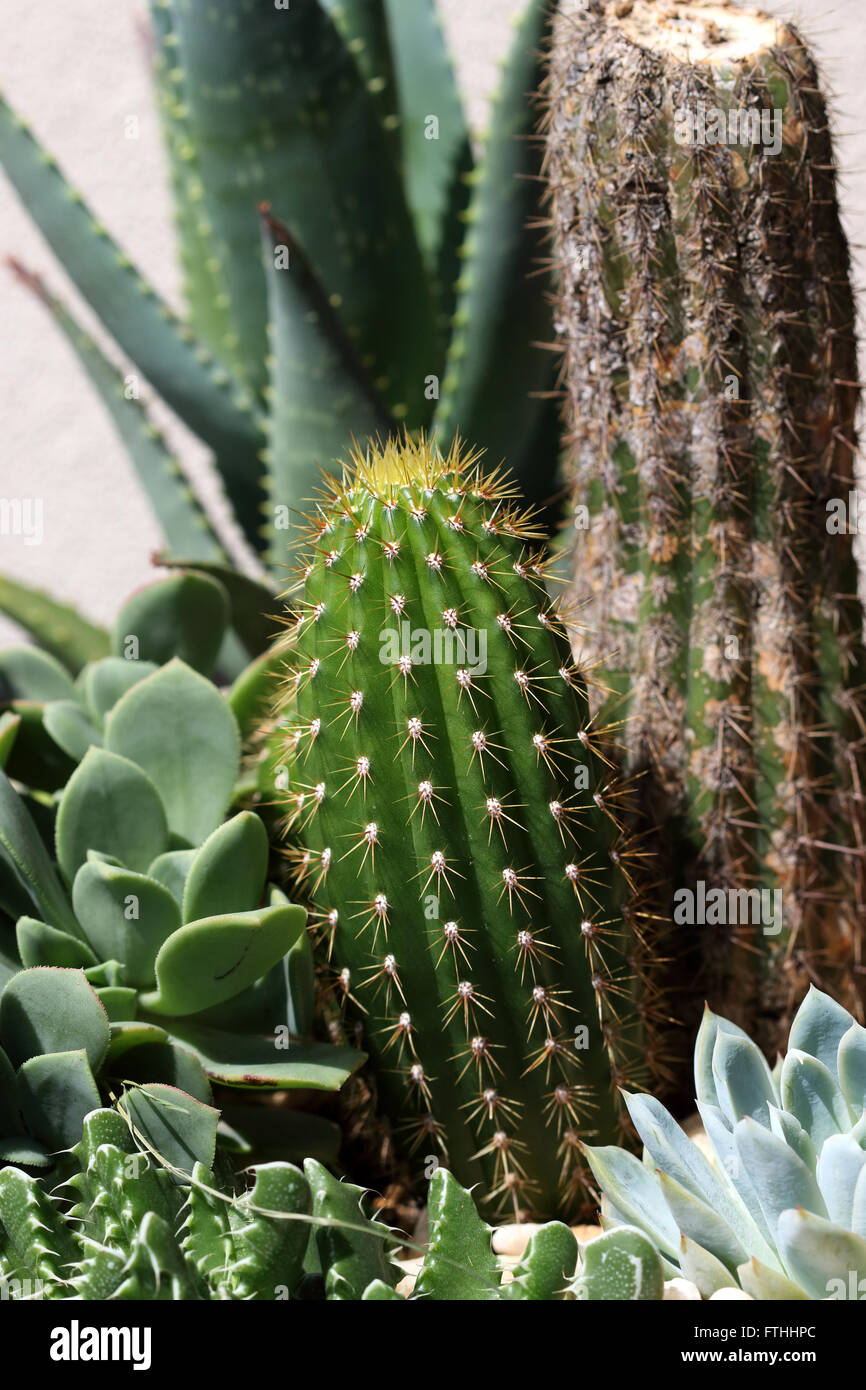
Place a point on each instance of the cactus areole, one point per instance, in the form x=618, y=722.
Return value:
x=459, y=828
x=707, y=319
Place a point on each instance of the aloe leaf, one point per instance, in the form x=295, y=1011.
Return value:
x=743, y=1081
x=495, y=370
x=639, y=1199
x=110, y=806
x=179, y=1128
x=810, y=1093
x=26, y=673
x=57, y=1090
x=57, y=627
x=363, y=27
x=39, y=944
x=257, y=613
x=228, y=872
x=206, y=962
x=281, y=98
x=257, y=1060
x=824, y=1259
x=851, y=1060
x=26, y=856
x=321, y=397
x=459, y=1262
x=178, y=728
x=125, y=916
x=165, y=350
x=185, y=615
x=203, y=288
x=180, y=514
x=435, y=169
x=780, y=1178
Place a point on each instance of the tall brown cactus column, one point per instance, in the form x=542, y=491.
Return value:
x=707, y=321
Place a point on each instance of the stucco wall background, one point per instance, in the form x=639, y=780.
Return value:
x=77, y=70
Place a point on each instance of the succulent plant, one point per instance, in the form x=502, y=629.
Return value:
x=125, y=1226
x=458, y=827
x=403, y=284
x=779, y=1208
x=708, y=319
x=183, y=961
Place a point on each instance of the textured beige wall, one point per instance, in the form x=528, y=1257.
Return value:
x=77, y=70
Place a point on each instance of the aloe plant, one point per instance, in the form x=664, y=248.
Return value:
x=393, y=282
x=779, y=1209
x=123, y=1226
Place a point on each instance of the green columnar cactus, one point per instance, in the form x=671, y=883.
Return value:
x=458, y=826
x=396, y=283
x=779, y=1208
x=708, y=323
x=122, y=1227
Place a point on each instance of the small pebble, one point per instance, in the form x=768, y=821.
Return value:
x=681, y=1290
x=727, y=1295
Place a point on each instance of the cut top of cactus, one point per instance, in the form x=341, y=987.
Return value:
x=700, y=32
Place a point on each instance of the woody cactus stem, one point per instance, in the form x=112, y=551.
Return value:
x=708, y=325
x=462, y=884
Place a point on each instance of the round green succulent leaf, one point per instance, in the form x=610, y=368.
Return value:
x=102, y=683
x=185, y=616
x=178, y=728
x=40, y=944
x=206, y=962
x=57, y=1090
x=125, y=916
x=110, y=805
x=228, y=872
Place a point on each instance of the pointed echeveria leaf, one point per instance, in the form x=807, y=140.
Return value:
x=825, y=1260
x=744, y=1084
x=810, y=1092
x=840, y=1166
x=705, y=1082
x=818, y=1028
x=851, y=1061
x=780, y=1178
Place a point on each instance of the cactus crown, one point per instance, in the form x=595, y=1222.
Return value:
x=443, y=751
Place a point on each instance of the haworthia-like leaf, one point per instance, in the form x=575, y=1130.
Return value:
x=495, y=370
x=270, y=1252
x=547, y=1267
x=459, y=1262
x=141, y=323
x=178, y=728
x=621, y=1265
x=180, y=514
x=110, y=805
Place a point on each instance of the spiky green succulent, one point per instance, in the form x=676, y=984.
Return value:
x=708, y=321
x=123, y=1226
x=779, y=1207
x=391, y=281
x=458, y=827
x=136, y=892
